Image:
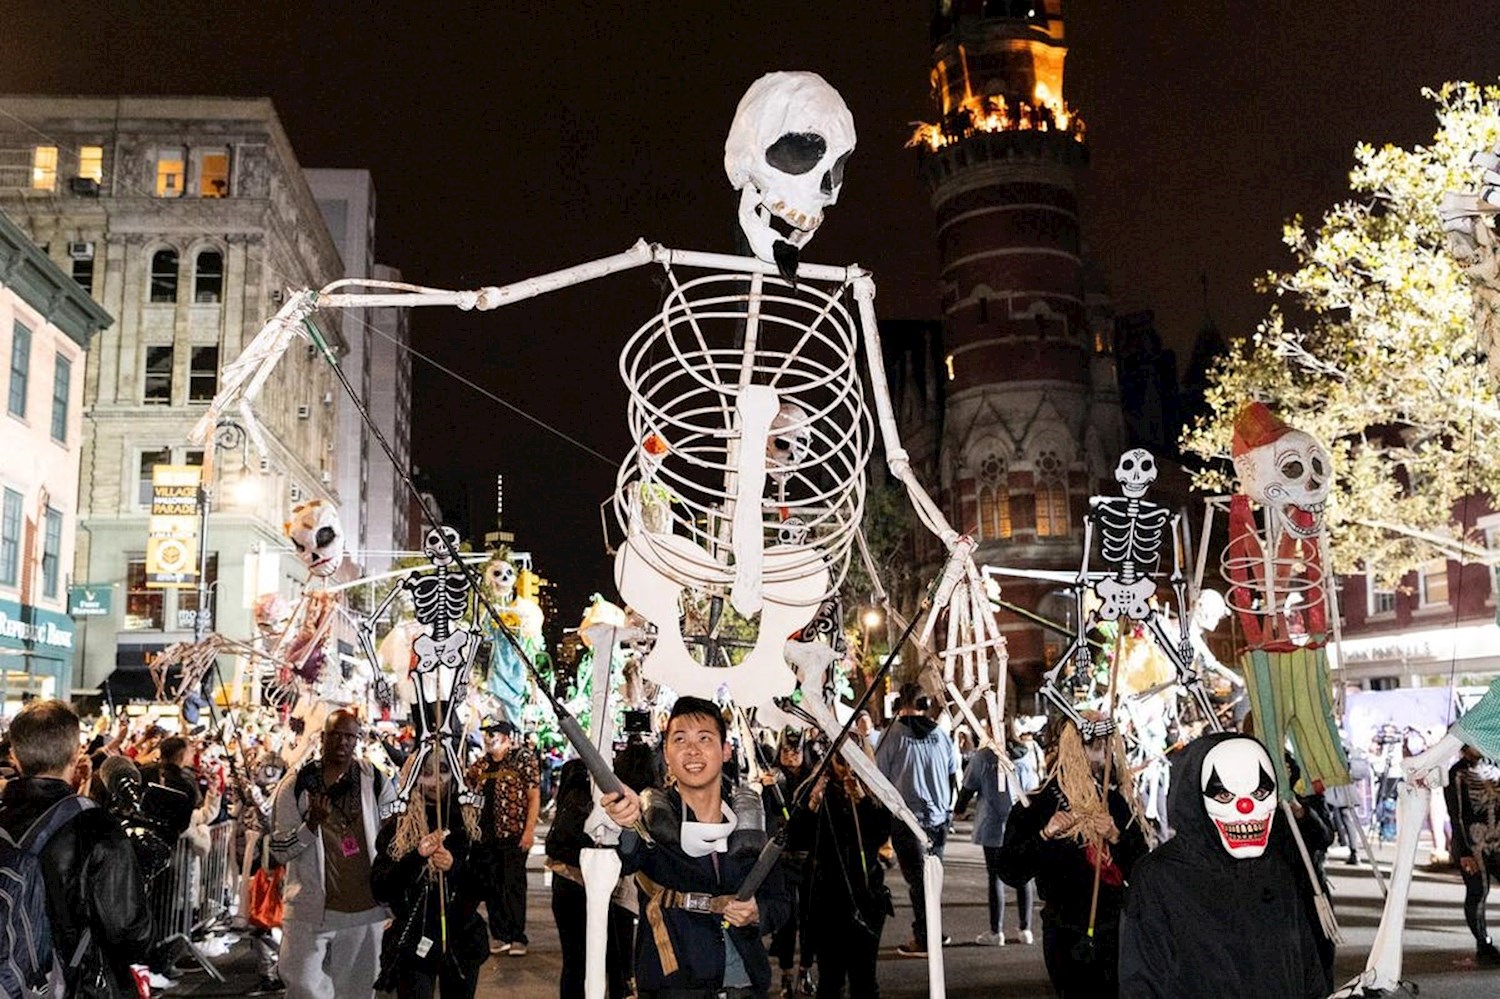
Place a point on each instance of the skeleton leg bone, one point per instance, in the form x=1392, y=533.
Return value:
x=1383, y=969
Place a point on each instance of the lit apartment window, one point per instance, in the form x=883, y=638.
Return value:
x=1432, y=583
x=44, y=168
x=91, y=163
x=164, y=276
x=10, y=538
x=62, y=384
x=1378, y=600
x=213, y=175
x=51, y=551
x=208, y=277
x=203, y=374
x=171, y=172
x=1051, y=497
x=147, y=461
x=144, y=607
x=20, y=369
x=994, y=499
x=158, y=381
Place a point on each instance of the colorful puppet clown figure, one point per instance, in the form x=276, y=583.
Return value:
x=1280, y=592
x=1220, y=902
x=506, y=680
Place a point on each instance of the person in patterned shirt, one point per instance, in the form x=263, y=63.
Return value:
x=509, y=779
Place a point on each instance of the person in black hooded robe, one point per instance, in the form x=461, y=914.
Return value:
x=1218, y=909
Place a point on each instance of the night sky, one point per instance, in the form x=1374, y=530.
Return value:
x=512, y=141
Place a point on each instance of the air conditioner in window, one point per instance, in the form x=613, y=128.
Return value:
x=327, y=477
x=265, y=465
x=81, y=251
x=328, y=398
x=88, y=187
x=304, y=411
x=296, y=493
x=277, y=295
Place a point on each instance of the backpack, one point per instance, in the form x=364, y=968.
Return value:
x=28, y=966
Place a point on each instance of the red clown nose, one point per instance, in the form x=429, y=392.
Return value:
x=1245, y=806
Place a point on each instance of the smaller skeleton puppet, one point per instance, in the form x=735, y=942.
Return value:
x=442, y=656
x=1132, y=532
x=301, y=637
x=1280, y=592
x=1224, y=895
x=506, y=679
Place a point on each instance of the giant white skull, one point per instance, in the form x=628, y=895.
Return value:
x=318, y=536
x=1293, y=474
x=1239, y=794
x=438, y=545
x=1135, y=471
x=791, y=136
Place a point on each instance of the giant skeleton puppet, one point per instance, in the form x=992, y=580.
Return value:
x=442, y=656
x=748, y=414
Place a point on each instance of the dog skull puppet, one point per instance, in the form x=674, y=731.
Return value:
x=318, y=535
x=787, y=148
x=1239, y=794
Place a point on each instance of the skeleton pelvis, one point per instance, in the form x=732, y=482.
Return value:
x=1122, y=600
x=651, y=572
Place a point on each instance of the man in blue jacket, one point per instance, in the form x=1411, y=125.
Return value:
x=919, y=760
x=696, y=940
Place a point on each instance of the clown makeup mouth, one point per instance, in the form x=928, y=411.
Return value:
x=1238, y=835
x=1305, y=522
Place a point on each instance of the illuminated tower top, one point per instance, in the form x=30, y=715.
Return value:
x=997, y=66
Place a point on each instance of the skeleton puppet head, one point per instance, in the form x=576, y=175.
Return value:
x=791, y=136
x=1135, y=471
x=318, y=536
x=1239, y=794
x=1282, y=468
x=788, y=443
x=439, y=544
x=500, y=579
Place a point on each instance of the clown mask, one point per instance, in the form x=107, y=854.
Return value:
x=1239, y=794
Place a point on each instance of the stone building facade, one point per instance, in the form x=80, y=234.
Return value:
x=187, y=219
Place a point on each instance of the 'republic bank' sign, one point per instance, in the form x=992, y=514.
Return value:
x=23, y=626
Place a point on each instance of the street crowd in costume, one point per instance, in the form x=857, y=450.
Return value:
x=748, y=851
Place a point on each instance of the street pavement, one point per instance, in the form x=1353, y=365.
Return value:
x=1439, y=949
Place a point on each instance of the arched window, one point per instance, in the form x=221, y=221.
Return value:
x=994, y=498
x=1051, y=496
x=164, y=276
x=208, y=277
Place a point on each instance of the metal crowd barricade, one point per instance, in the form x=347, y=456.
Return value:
x=196, y=893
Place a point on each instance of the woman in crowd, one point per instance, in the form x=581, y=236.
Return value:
x=792, y=768
x=422, y=871
x=847, y=896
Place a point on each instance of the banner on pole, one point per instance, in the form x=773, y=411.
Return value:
x=172, y=534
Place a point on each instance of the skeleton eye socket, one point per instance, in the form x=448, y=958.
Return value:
x=298, y=545
x=1317, y=464
x=1146, y=465
x=1293, y=469
x=834, y=177
x=1128, y=464
x=325, y=537
x=796, y=152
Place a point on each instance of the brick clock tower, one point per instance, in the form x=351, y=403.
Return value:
x=1024, y=421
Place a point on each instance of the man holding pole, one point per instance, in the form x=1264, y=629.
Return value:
x=697, y=939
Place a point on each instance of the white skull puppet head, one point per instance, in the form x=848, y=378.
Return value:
x=1135, y=471
x=1238, y=785
x=318, y=536
x=500, y=580
x=789, y=441
x=1286, y=469
x=439, y=544
x=791, y=137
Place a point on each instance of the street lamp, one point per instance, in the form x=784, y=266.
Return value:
x=228, y=436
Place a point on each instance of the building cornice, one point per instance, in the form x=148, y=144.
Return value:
x=43, y=286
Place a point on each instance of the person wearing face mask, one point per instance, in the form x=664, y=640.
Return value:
x=1067, y=830
x=696, y=939
x=1218, y=909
